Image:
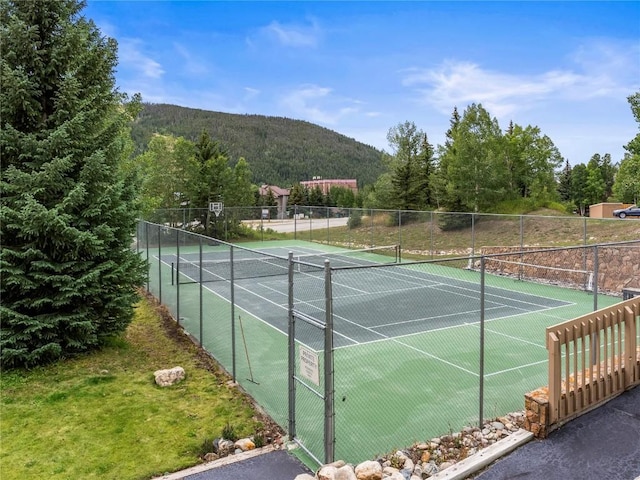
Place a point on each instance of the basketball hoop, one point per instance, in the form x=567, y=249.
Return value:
x=216, y=207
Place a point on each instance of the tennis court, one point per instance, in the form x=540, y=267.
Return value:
x=393, y=302
x=406, y=336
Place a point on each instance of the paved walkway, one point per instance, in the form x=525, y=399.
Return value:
x=603, y=444
x=263, y=464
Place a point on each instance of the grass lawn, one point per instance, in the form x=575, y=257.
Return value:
x=103, y=416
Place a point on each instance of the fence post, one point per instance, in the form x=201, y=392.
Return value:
x=371, y=222
x=159, y=263
x=473, y=234
x=292, y=355
x=146, y=234
x=594, y=287
x=630, y=346
x=178, y=276
x=399, y=227
x=555, y=375
x=329, y=426
x=200, y=282
x=233, y=315
x=328, y=227
x=521, y=232
x=431, y=236
x=481, y=359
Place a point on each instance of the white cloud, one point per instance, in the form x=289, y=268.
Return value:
x=293, y=35
x=250, y=93
x=192, y=65
x=131, y=57
x=317, y=104
x=598, y=69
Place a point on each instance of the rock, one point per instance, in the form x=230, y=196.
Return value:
x=245, y=444
x=345, y=473
x=304, y=476
x=386, y=471
x=222, y=446
x=210, y=457
x=326, y=472
x=369, y=470
x=430, y=468
x=168, y=377
x=395, y=476
x=424, y=458
x=445, y=465
x=408, y=464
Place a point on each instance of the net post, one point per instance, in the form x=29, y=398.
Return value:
x=329, y=414
x=481, y=359
x=291, y=353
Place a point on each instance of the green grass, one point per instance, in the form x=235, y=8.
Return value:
x=421, y=238
x=102, y=416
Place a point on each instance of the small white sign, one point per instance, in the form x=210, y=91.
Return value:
x=309, y=366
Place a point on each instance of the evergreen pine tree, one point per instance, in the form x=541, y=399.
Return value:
x=67, y=209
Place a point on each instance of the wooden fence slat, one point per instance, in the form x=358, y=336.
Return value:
x=606, y=358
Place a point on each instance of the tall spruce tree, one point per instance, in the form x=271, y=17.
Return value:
x=67, y=208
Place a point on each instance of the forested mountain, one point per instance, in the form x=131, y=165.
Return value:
x=280, y=151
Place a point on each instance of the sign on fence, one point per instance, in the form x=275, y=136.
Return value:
x=309, y=366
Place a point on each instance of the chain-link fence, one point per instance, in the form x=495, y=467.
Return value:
x=422, y=234
x=357, y=354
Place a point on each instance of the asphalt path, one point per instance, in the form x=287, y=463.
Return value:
x=601, y=444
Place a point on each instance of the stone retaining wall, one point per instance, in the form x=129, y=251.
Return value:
x=618, y=266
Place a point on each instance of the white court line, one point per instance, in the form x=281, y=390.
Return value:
x=424, y=319
x=395, y=339
x=511, y=337
x=383, y=337
x=499, y=372
x=394, y=272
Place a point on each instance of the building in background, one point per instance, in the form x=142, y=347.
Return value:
x=325, y=184
x=280, y=195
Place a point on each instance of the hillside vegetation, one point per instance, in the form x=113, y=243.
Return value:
x=280, y=151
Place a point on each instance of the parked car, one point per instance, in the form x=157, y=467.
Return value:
x=632, y=211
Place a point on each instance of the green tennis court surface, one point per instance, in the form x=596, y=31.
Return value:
x=391, y=302
x=406, y=337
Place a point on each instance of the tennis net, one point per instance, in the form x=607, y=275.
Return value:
x=255, y=264
x=563, y=277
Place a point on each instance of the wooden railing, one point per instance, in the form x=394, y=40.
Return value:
x=592, y=359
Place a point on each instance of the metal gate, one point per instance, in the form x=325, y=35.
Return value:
x=311, y=387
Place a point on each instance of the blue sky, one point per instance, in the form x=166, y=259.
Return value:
x=360, y=68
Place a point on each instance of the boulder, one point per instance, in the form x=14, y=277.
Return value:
x=170, y=376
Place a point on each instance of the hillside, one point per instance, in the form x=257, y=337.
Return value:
x=280, y=151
